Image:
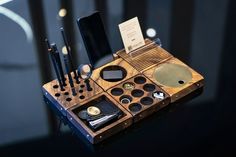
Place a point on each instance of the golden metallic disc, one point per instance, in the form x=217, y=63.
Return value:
x=172, y=75
x=93, y=111
x=128, y=86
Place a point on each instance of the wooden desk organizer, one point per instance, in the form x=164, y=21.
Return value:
x=153, y=69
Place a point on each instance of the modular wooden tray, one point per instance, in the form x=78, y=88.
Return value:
x=64, y=99
x=105, y=132
x=181, y=88
x=152, y=63
x=142, y=103
x=147, y=57
x=96, y=76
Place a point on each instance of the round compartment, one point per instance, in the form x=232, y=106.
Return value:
x=146, y=101
x=57, y=94
x=128, y=86
x=55, y=86
x=149, y=87
x=117, y=91
x=125, y=99
x=68, y=99
x=139, y=80
x=158, y=95
x=66, y=93
x=135, y=107
x=113, y=73
x=82, y=97
x=137, y=93
x=82, y=86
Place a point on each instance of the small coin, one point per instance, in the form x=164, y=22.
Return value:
x=128, y=86
x=93, y=111
x=83, y=114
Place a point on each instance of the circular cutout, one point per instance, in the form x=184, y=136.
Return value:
x=146, y=101
x=135, y=107
x=82, y=86
x=55, y=86
x=139, y=80
x=117, y=91
x=128, y=86
x=81, y=97
x=66, y=93
x=172, y=75
x=80, y=91
x=113, y=73
x=57, y=94
x=158, y=95
x=137, y=93
x=149, y=87
x=68, y=99
x=125, y=99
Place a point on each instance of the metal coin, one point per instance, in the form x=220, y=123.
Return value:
x=83, y=114
x=128, y=86
x=93, y=111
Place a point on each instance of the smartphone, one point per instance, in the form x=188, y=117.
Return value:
x=94, y=37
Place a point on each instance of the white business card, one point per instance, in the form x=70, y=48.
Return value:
x=131, y=34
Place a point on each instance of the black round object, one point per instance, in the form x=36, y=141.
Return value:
x=117, y=91
x=82, y=97
x=139, y=80
x=57, y=94
x=83, y=114
x=135, y=107
x=149, y=87
x=68, y=99
x=55, y=86
x=137, y=93
x=146, y=101
x=66, y=93
x=125, y=99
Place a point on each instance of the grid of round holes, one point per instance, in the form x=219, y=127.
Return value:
x=67, y=94
x=144, y=98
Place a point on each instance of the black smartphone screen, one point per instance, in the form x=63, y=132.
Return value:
x=94, y=37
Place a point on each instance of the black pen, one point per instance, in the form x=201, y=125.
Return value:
x=58, y=62
x=67, y=66
x=69, y=55
x=54, y=64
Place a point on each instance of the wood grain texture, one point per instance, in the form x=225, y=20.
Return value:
x=145, y=109
x=178, y=92
x=62, y=97
x=105, y=84
x=146, y=56
x=105, y=132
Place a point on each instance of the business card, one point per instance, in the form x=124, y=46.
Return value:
x=131, y=34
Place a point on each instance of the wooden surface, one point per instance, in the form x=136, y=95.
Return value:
x=105, y=84
x=62, y=99
x=147, y=56
x=146, y=109
x=143, y=64
x=177, y=92
x=105, y=132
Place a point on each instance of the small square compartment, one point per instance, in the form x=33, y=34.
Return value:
x=107, y=105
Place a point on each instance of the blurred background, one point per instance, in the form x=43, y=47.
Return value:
x=199, y=32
